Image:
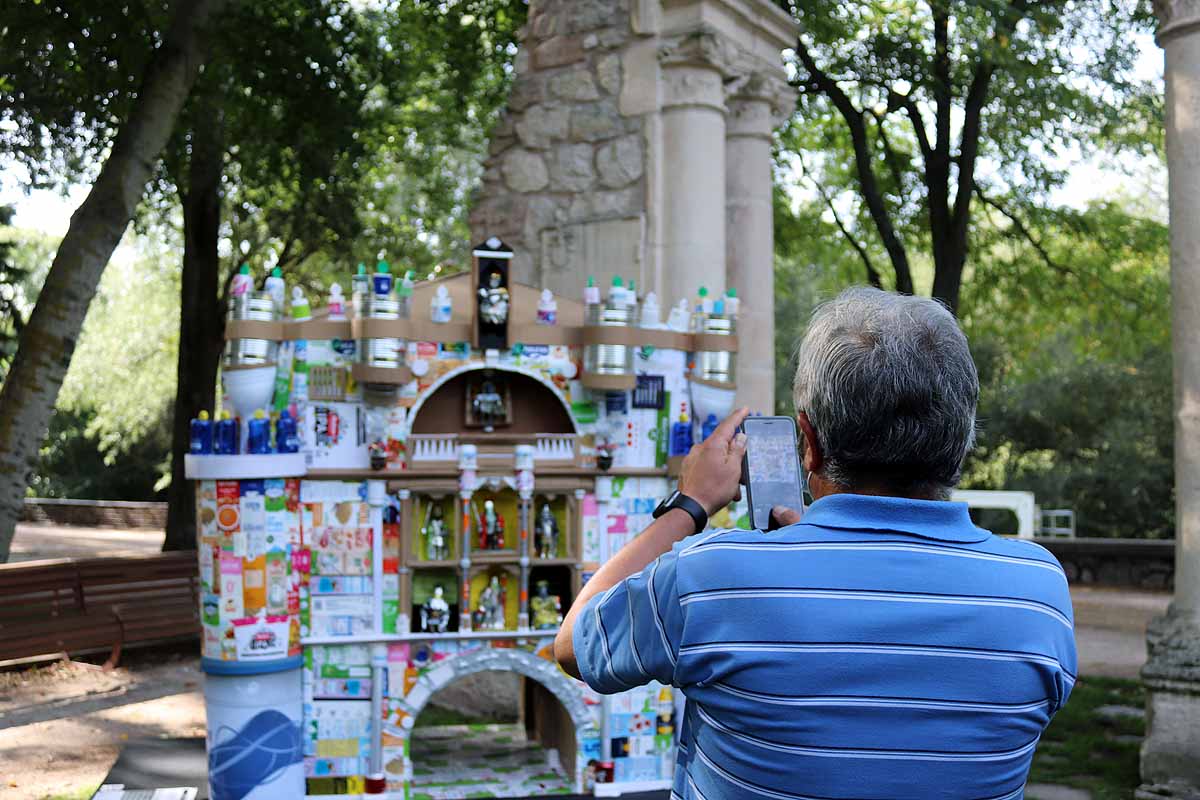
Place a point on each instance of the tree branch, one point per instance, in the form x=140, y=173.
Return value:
x=897, y=100
x=872, y=273
x=889, y=153
x=866, y=173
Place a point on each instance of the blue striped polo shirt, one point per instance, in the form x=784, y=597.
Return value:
x=881, y=648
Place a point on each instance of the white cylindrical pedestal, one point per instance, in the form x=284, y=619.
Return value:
x=255, y=742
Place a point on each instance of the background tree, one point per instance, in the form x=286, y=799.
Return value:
x=914, y=115
x=48, y=339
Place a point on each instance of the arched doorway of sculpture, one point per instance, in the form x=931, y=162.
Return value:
x=535, y=403
x=554, y=715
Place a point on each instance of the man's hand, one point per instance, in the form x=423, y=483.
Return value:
x=782, y=516
x=712, y=471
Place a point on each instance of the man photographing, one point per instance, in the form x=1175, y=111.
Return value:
x=881, y=647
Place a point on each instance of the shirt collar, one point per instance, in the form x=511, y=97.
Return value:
x=932, y=519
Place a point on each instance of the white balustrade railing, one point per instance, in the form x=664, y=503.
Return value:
x=554, y=447
x=434, y=447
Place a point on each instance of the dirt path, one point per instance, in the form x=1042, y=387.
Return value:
x=38, y=541
x=62, y=726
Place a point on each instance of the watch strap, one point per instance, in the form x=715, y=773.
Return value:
x=678, y=499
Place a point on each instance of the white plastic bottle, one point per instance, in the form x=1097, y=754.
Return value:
x=337, y=303
x=651, y=315
x=440, y=306
x=275, y=287
x=679, y=318
x=300, y=308
x=547, y=310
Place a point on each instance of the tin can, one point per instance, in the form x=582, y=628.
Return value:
x=609, y=359
x=385, y=352
x=259, y=307
x=717, y=365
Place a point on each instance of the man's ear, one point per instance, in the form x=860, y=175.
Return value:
x=813, y=457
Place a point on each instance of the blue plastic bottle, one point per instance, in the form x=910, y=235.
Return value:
x=710, y=425
x=381, y=281
x=258, y=437
x=286, y=440
x=201, y=435
x=681, y=437
x=225, y=438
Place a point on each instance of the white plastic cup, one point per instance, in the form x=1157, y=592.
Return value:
x=255, y=736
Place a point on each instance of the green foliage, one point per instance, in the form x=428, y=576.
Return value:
x=25, y=258
x=72, y=464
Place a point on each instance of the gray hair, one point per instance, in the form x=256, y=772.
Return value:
x=888, y=383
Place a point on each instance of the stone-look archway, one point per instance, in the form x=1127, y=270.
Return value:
x=523, y=662
x=1171, y=751
x=637, y=142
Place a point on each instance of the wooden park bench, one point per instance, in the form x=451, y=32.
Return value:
x=69, y=607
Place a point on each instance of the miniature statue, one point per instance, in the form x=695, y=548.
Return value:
x=434, y=534
x=546, y=608
x=489, y=613
x=488, y=405
x=435, y=613
x=491, y=528
x=546, y=534
x=493, y=301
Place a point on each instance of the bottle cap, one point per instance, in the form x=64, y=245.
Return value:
x=547, y=296
x=260, y=414
x=683, y=417
x=285, y=414
x=335, y=290
x=202, y=415
x=732, y=292
x=617, y=282
x=382, y=266
x=631, y=287
x=276, y=273
x=703, y=291
x=244, y=269
x=591, y=280
x=362, y=268
x=225, y=415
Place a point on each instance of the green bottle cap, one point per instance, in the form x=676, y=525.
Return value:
x=277, y=273
x=244, y=269
x=631, y=284
x=617, y=282
x=731, y=293
x=362, y=268
x=382, y=266
x=591, y=280
x=703, y=291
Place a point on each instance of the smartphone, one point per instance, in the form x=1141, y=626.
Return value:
x=771, y=468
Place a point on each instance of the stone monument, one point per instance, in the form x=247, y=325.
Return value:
x=1171, y=751
x=637, y=142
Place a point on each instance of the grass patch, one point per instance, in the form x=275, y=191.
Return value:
x=78, y=794
x=1081, y=748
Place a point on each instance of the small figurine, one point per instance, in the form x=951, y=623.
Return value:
x=491, y=528
x=493, y=301
x=434, y=533
x=546, y=608
x=435, y=613
x=337, y=303
x=488, y=405
x=545, y=536
x=378, y=455
x=489, y=613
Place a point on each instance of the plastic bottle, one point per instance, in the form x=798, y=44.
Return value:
x=732, y=302
x=225, y=438
x=360, y=287
x=710, y=424
x=651, y=315
x=679, y=318
x=201, y=435
x=616, y=295
x=337, y=303
x=275, y=287
x=286, y=440
x=300, y=308
x=258, y=435
x=591, y=292
x=702, y=310
x=681, y=437
x=718, y=307
x=404, y=293
x=381, y=281
x=547, y=310
x=242, y=281
x=441, y=309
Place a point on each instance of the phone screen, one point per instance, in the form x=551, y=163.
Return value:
x=772, y=468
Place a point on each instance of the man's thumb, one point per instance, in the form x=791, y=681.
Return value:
x=784, y=516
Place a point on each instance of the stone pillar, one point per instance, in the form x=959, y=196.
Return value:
x=693, y=165
x=1171, y=751
x=750, y=231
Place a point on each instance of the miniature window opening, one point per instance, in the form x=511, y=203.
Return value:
x=493, y=301
x=489, y=402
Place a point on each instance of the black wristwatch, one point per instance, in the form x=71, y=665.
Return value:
x=677, y=499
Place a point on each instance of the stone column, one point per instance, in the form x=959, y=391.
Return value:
x=750, y=231
x=1171, y=751
x=693, y=166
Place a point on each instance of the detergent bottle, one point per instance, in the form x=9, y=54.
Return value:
x=258, y=434
x=441, y=309
x=201, y=435
x=275, y=287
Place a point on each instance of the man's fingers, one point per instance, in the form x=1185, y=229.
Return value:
x=737, y=447
x=785, y=516
x=724, y=432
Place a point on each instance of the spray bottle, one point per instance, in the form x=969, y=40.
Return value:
x=337, y=303
x=679, y=318
x=404, y=293
x=275, y=287
x=242, y=281
x=651, y=316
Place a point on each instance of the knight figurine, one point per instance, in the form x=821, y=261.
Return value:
x=434, y=534
x=488, y=405
x=546, y=608
x=435, y=613
x=493, y=301
x=491, y=528
x=546, y=534
x=489, y=613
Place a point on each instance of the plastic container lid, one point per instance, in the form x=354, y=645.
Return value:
x=260, y=414
x=226, y=415
x=203, y=415
x=362, y=268
x=276, y=273
x=382, y=266
x=244, y=269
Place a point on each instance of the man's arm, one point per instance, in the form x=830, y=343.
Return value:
x=710, y=476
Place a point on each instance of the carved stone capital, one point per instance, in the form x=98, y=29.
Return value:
x=759, y=101
x=704, y=47
x=1176, y=18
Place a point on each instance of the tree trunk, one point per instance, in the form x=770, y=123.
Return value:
x=201, y=321
x=48, y=340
